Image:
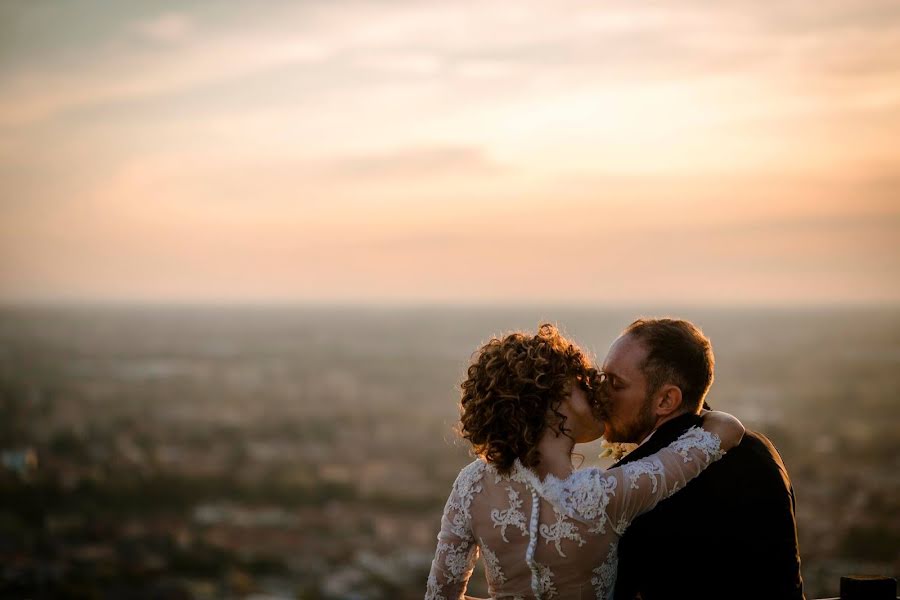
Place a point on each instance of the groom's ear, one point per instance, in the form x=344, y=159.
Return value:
x=669, y=401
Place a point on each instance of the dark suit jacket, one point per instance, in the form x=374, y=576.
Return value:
x=729, y=534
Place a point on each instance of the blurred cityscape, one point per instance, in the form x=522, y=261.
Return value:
x=307, y=453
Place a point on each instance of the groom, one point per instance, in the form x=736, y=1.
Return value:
x=731, y=532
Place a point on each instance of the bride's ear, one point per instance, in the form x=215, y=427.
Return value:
x=669, y=400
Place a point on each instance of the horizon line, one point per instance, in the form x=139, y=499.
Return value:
x=418, y=304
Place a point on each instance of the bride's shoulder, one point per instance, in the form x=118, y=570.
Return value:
x=583, y=480
x=469, y=478
x=474, y=470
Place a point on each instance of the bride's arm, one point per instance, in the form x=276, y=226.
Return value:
x=619, y=495
x=456, y=553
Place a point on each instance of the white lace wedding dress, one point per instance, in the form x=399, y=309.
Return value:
x=554, y=538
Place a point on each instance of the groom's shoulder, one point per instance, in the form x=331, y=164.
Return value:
x=757, y=446
x=757, y=454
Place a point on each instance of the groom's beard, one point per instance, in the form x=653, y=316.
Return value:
x=637, y=430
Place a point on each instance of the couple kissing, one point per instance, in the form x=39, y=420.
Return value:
x=701, y=508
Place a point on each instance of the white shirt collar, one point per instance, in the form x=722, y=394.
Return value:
x=649, y=435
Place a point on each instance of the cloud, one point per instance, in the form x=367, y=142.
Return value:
x=395, y=38
x=420, y=162
x=35, y=96
x=403, y=63
x=533, y=46
x=167, y=27
x=412, y=143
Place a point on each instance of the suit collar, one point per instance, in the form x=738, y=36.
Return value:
x=674, y=428
x=661, y=437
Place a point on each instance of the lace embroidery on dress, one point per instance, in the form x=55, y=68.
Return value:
x=467, y=485
x=605, y=575
x=562, y=529
x=510, y=516
x=699, y=439
x=459, y=559
x=519, y=473
x=545, y=587
x=674, y=489
x=495, y=575
x=432, y=589
x=589, y=497
x=621, y=525
x=651, y=468
x=584, y=496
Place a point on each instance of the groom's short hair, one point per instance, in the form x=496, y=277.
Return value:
x=678, y=353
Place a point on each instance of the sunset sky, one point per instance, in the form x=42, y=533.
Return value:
x=392, y=151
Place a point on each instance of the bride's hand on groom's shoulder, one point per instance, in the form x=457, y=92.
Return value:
x=729, y=429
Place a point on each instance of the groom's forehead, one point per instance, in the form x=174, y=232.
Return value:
x=625, y=357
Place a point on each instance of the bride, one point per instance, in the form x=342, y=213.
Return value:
x=544, y=529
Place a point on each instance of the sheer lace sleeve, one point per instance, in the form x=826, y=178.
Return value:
x=619, y=495
x=456, y=551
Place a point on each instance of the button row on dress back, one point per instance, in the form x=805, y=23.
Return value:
x=532, y=543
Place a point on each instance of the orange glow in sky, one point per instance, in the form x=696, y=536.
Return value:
x=490, y=151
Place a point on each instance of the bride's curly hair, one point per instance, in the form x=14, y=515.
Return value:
x=513, y=384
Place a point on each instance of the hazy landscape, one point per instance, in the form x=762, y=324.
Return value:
x=308, y=452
